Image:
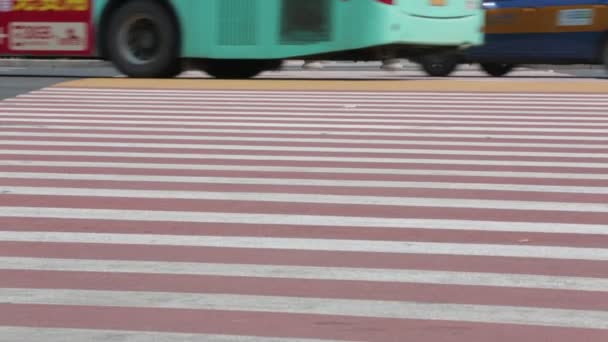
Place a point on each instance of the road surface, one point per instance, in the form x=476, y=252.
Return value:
x=188, y=210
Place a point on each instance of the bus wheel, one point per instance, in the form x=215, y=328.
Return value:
x=605, y=55
x=497, y=69
x=237, y=69
x=143, y=40
x=439, y=65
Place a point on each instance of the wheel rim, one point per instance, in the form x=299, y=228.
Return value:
x=139, y=40
x=436, y=67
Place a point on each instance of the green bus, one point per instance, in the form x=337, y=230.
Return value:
x=236, y=38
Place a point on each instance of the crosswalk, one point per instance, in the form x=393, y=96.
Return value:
x=201, y=215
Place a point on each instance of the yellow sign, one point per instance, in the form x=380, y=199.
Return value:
x=51, y=5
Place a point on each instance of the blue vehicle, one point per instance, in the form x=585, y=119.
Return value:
x=529, y=32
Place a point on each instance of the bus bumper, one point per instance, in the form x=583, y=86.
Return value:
x=463, y=31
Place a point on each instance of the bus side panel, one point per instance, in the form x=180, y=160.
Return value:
x=282, y=28
x=441, y=22
x=46, y=28
x=264, y=29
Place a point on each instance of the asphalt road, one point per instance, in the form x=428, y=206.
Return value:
x=11, y=86
x=19, y=80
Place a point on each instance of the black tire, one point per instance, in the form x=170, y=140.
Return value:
x=497, y=69
x=438, y=65
x=604, y=55
x=131, y=54
x=238, y=69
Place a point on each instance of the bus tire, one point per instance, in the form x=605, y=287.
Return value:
x=439, y=66
x=604, y=54
x=143, y=40
x=236, y=69
x=497, y=69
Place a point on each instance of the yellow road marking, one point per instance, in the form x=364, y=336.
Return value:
x=557, y=86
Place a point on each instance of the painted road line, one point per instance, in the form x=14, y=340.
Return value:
x=260, y=117
x=315, y=306
x=319, y=149
x=309, y=272
x=428, y=132
x=247, y=110
x=372, y=117
x=178, y=139
x=516, y=251
x=308, y=98
x=318, y=159
x=299, y=220
x=368, y=127
x=283, y=324
x=293, y=182
x=474, y=108
x=21, y=334
x=317, y=171
x=310, y=199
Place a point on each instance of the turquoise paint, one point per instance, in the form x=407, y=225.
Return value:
x=252, y=28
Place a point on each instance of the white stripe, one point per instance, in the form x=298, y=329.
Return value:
x=327, y=116
x=22, y=334
x=396, y=142
x=300, y=220
x=303, y=158
x=328, y=93
x=486, y=134
x=295, y=197
x=79, y=108
x=305, y=125
x=465, y=108
x=314, y=306
x=310, y=272
x=319, y=98
x=337, y=102
x=342, y=108
x=318, y=149
x=331, y=245
x=313, y=170
x=446, y=185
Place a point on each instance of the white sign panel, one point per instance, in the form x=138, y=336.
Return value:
x=575, y=17
x=47, y=36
